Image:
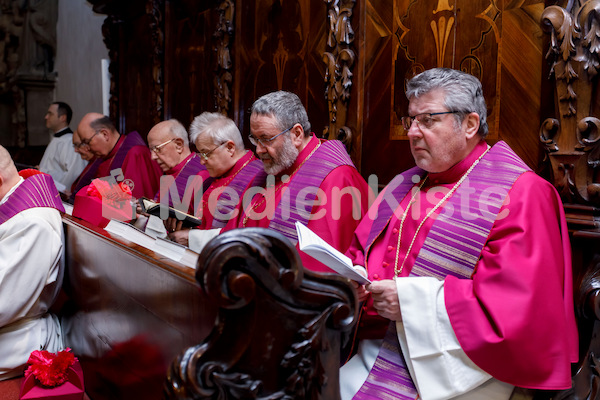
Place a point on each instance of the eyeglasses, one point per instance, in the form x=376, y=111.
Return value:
x=264, y=142
x=424, y=120
x=86, y=142
x=206, y=155
x=158, y=147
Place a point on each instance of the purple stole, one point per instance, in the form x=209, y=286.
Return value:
x=36, y=191
x=254, y=173
x=452, y=247
x=86, y=178
x=330, y=155
x=191, y=169
x=132, y=139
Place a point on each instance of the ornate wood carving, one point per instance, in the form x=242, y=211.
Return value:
x=572, y=139
x=277, y=333
x=339, y=60
x=223, y=77
x=154, y=10
x=586, y=381
x=110, y=34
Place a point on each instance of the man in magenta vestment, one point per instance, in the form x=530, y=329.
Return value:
x=125, y=158
x=469, y=258
x=170, y=148
x=310, y=180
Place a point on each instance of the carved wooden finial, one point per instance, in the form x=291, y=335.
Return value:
x=571, y=139
x=339, y=61
x=278, y=328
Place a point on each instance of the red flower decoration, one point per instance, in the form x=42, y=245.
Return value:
x=50, y=368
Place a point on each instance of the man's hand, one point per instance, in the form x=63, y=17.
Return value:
x=385, y=299
x=361, y=292
x=173, y=224
x=181, y=236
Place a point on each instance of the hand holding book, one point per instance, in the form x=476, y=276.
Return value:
x=314, y=246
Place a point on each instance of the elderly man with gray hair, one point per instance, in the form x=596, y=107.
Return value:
x=183, y=172
x=233, y=169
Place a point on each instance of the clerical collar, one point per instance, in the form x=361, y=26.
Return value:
x=458, y=170
x=63, y=131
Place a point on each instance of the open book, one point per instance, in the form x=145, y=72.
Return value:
x=310, y=243
x=153, y=208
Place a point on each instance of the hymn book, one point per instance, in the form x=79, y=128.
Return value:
x=153, y=208
x=310, y=243
x=165, y=248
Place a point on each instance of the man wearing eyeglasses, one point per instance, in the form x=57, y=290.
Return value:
x=473, y=287
x=170, y=149
x=88, y=172
x=233, y=170
x=125, y=157
x=313, y=181
x=59, y=160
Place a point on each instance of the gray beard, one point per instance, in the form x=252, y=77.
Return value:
x=285, y=159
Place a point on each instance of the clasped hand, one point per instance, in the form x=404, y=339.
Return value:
x=385, y=297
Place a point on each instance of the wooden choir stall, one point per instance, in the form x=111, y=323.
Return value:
x=248, y=321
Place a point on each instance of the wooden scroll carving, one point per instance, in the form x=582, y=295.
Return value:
x=586, y=381
x=278, y=328
x=154, y=11
x=572, y=139
x=339, y=60
x=110, y=34
x=223, y=35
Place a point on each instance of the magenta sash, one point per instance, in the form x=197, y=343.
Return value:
x=36, y=191
x=452, y=247
x=330, y=155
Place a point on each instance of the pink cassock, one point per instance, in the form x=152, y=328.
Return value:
x=137, y=166
x=515, y=317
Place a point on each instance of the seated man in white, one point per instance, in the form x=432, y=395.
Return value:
x=31, y=266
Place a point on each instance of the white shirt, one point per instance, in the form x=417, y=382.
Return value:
x=31, y=272
x=62, y=162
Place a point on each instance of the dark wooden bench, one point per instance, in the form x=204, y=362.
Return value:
x=129, y=312
x=265, y=325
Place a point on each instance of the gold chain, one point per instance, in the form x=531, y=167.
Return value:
x=429, y=214
x=252, y=206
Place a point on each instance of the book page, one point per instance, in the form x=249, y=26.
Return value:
x=130, y=233
x=314, y=246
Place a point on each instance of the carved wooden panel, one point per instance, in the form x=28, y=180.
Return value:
x=279, y=45
x=279, y=327
x=499, y=42
x=189, y=60
x=571, y=131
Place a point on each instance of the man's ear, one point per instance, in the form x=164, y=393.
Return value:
x=471, y=125
x=297, y=134
x=230, y=147
x=179, y=143
x=63, y=118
